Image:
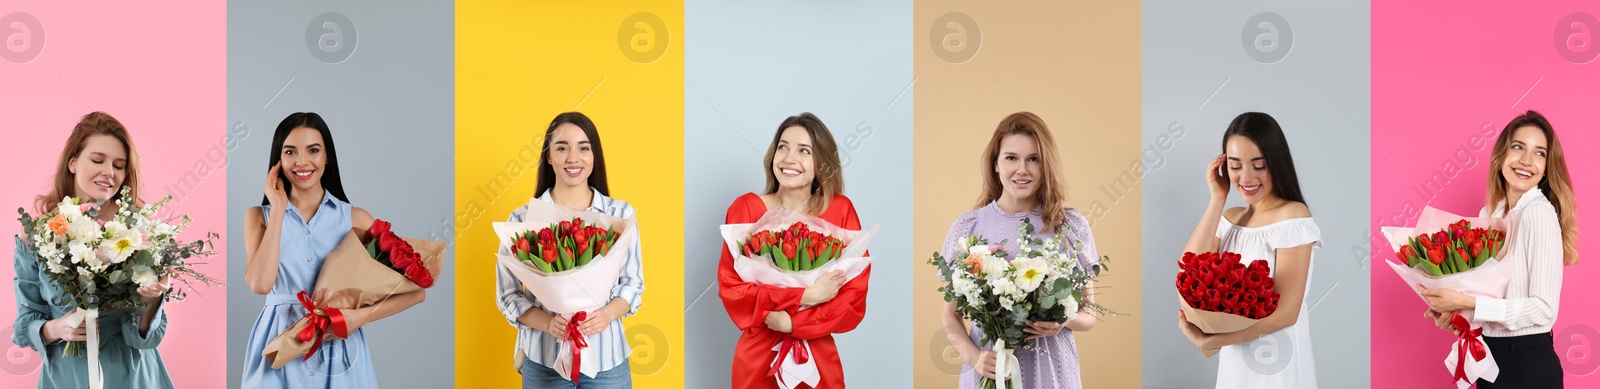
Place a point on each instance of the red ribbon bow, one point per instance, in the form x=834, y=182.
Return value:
x=319, y=325
x=1468, y=342
x=579, y=342
x=790, y=344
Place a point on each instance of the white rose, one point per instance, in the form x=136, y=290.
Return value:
x=82, y=228
x=145, y=278
x=80, y=252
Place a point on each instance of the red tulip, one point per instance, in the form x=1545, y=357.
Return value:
x=379, y=227
x=1408, y=254
x=790, y=249
x=419, y=275
x=549, y=255
x=522, y=246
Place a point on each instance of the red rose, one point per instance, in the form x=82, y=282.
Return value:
x=379, y=227
x=419, y=275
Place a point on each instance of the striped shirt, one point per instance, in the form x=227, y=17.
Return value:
x=1533, y=245
x=611, y=345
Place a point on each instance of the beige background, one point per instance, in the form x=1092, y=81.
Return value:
x=1076, y=66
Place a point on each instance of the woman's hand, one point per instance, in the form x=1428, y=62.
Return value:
x=59, y=329
x=276, y=196
x=1040, y=329
x=153, y=292
x=1200, y=339
x=1446, y=300
x=1215, y=179
x=597, y=321
x=1441, y=320
x=983, y=363
x=557, y=327
x=824, y=289
x=780, y=321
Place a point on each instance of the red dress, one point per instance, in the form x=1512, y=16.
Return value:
x=748, y=304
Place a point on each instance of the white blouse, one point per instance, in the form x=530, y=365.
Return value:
x=1533, y=246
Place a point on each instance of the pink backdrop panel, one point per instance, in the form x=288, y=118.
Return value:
x=160, y=71
x=1445, y=79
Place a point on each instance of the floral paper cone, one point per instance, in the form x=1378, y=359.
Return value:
x=1486, y=280
x=852, y=261
x=582, y=289
x=350, y=278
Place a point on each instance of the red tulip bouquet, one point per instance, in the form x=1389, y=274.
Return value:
x=365, y=268
x=1220, y=294
x=1444, y=250
x=791, y=249
x=569, y=260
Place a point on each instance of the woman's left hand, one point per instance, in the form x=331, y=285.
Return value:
x=1446, y=300
x=1040, y=329
x=1200, y=339
x=153, y=292
x=597, y=321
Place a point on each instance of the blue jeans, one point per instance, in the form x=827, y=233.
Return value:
x=536, y=376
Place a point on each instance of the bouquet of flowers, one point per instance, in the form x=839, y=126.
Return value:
x=1000, y=294
x=100, y=267
x=797, y=248
x=563, y=246
x=365, y=268
x=1220, y=294
x=791, y=249
x=1444, y=250
x=569, y=260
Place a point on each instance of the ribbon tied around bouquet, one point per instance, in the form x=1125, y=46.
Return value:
x=579, y=342
x=1468, y=343
x=318, y=325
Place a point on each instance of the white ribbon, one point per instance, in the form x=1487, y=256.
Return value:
x=1004, y=359
x=91, y=318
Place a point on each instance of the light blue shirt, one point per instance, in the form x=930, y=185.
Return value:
x=302, y=247
x=540, y=347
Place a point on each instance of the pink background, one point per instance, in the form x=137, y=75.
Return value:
x=1440, y=73
x=160, y=71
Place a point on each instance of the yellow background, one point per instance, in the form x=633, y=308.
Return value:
x=518, y=64
x=1076, y=65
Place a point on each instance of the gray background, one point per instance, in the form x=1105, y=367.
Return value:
x=747, y=67
x=390, y=106
x=1198, y=74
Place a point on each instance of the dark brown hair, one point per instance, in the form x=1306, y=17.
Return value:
x=547, y=172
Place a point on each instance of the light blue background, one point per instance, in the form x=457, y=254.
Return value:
x=391, y=108
x=747, y=67
x=1197, y=74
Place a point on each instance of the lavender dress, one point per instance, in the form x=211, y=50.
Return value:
x=1051, y=362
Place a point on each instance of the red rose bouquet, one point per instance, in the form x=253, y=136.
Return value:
x=365, y=268
x=1220, y=294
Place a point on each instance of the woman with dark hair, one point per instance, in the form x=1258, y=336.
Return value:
x=573, y=142
x=302, y=218
x=803, y=174
x=97, y=160
x=1530, y=188
x=1022, y=181
x=1275, y=225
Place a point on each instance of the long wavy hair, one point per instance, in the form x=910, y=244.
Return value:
x=829, y=179
x=92, y=124
x=1052, y=194
x=1556, y=185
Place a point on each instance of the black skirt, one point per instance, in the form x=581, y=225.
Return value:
x=1527, y=361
